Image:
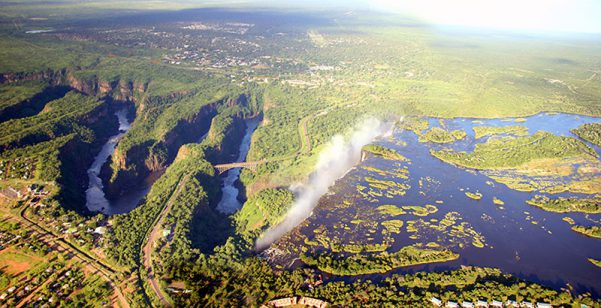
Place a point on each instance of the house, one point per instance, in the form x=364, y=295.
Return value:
x=481, y=304
x=527, y=305
x=100, y=230
x=543, y=305
x=451, y=304
x=282, y=302
x=312, y=302
x=510, y=303
x=467, y=305
x=11, y=289
x=497, y=304
x=3, y=296
x=436, y=301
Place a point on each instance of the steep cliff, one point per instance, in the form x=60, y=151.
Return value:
x=118, y=89
x=130, y=168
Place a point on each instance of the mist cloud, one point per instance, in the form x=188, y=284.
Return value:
x=334, y=162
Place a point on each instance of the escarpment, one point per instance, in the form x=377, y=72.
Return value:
x=223, y=123
x=132, y=166
x=117, y=88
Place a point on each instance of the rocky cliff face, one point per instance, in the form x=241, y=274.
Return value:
x=132, y=167
x=122, y=90
x=54, y=77
x=129, y=169
x=140, y=161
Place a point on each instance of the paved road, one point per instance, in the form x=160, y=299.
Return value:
x=152, y=237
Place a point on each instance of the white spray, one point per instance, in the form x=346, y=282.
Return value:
x=334, y=162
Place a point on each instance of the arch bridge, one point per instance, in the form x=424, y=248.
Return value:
x=250, y=165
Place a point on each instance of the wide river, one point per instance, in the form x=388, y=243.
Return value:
x=520, y=239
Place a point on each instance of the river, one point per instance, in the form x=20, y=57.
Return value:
x=229, y=202
x=520, y=239
x=96, y=200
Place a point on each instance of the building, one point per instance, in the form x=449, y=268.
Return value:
x=481, y=304
x=527, y=305
x=282, y=302
x=543, y=305
x=436, y=301
x=293, y=301
x=510, y=303
x=467, y=305
x=312, y=302
x=451, y=304
x=497, y=304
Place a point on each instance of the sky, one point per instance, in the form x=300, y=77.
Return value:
x=535, y=15
x=531, y=15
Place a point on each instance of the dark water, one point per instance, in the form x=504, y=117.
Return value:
x=95, y=197
x=229, y=201
x=96, y=200
x=548, y=252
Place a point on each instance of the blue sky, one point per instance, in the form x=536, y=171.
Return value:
x=538, y=15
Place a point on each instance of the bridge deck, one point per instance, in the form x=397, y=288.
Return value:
x=251, y=165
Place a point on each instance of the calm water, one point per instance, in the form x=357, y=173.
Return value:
x=229, y=201
x=95, y=198
x=548, y=252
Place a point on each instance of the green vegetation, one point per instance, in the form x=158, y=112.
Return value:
x=128, y=230
x=450, y=230
x=384, y=188
x=475, y=196
x=569, y=220
x=264, y=209
x=59, y=118
x=439, y=135
x=383, y=152
x=309, y=82
x=393, y=226
x=512, y=152
x=467, y=283
x=516, y=130
x=15, y=93
x=360, y=264
x=413, y=124
x=15, y=99
x=497, y=201
x=391, y=210
x=590, y=132
x=567, y=205
x=420, y=210
x=593, y=231
x=38, y=161
x=458, y=134
x=595, y=262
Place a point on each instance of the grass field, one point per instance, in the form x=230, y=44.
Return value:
x=15, y=262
